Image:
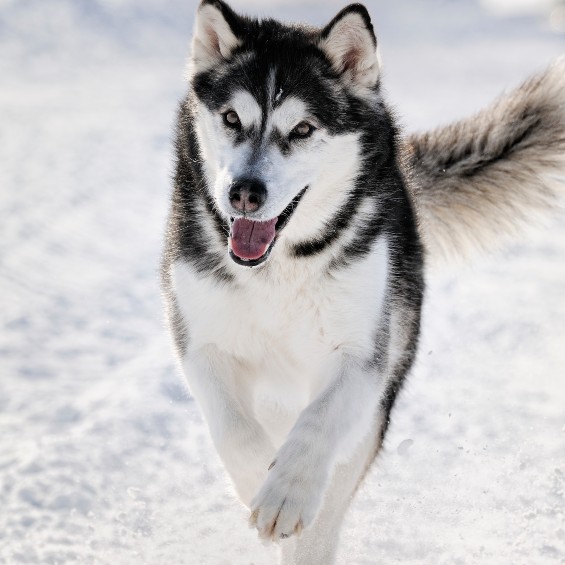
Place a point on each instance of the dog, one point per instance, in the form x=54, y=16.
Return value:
x=300, y=227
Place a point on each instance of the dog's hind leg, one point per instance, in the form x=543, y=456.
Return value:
x=318, y=544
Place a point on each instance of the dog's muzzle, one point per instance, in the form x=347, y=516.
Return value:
x=250, y=242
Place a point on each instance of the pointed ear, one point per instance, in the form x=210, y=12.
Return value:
x=214, y=36
x=350, y=44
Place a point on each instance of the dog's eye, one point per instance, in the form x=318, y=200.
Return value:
x=303, y=129
x=231, y=119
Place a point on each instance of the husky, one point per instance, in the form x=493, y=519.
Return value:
x=300, y=227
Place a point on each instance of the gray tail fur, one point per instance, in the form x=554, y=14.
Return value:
x=487, y=176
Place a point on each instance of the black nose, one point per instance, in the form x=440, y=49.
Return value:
x=247, y=195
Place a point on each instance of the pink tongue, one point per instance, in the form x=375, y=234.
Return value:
x=250, y=240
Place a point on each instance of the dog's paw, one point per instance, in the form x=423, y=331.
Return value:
x=289, y=500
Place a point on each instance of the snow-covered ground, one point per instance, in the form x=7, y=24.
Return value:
x=104, y=457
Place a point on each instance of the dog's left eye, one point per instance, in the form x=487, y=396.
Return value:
x=231, y=119
x=303, y=129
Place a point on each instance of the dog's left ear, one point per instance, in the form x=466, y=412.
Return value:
x=215, y=34
x=350, y=44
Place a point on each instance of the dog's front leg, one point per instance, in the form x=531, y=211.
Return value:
x=327, y=432
x=239, y=439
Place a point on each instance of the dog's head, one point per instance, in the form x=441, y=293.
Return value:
x=278, y=111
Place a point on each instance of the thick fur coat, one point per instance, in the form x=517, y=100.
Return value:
x=296, y=245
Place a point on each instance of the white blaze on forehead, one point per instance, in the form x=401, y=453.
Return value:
x=291, y=112
x=246, y=107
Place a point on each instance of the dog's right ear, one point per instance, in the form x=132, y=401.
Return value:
x=214, y=36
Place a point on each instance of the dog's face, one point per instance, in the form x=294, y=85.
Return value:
x=277, y=113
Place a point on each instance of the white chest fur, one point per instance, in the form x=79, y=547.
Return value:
x=284, y=331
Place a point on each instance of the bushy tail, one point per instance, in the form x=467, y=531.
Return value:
x=485, y=177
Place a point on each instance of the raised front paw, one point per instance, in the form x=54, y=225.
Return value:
x=289, y=499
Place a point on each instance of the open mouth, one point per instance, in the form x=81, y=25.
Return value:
x=251, y=241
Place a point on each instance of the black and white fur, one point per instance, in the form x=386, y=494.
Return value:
x=296, y=357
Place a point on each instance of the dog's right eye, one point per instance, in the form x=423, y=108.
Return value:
x=231, y=119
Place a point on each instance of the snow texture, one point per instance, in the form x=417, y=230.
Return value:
x=104, y=457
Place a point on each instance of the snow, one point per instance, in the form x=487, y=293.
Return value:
x=104, y=457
